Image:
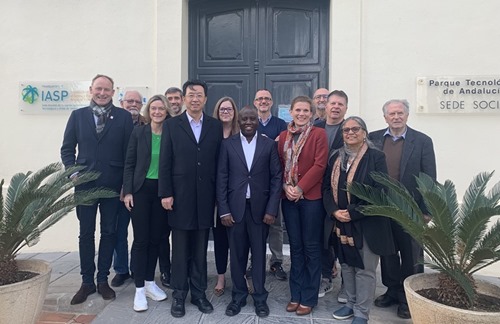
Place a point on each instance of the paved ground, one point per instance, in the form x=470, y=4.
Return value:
x=65, y=281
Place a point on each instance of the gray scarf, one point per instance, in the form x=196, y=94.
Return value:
x=102, y=114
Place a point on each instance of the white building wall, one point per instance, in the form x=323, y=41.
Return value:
x=377, y=50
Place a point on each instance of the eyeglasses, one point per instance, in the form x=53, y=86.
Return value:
x=226, y=110
x=325, y=96
x=354, y=129
x=263, y=98
x=131, y=101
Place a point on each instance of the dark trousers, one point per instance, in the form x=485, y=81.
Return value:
x=328, y=258
x=221, y=246
x=120, y=255
x=164, y=254
x=244, y=236
x=149, y=221
x=189, y=263
x=304, y=223
x=108, y=210
x=396, y=268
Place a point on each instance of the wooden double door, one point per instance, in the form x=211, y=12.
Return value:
x=240, y=46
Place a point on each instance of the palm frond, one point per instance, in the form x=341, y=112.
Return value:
x=457, y=240
x=473, y=226
x=36, y=201
x=474, y=194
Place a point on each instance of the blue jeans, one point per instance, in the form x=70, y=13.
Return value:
x=304, y=223
x=108, y=209
x=120, y=255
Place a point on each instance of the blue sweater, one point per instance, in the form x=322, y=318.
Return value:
x=273, y=128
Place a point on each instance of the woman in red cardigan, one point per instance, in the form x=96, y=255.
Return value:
x=303, y=151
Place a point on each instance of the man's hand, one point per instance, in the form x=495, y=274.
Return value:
x=227, y=220
x=268, y=219
x=168, y=203
x=128, y=200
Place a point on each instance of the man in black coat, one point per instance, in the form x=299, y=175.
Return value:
x=97, y=137
x=188, y=165
x=249, y=180
x=408, y=152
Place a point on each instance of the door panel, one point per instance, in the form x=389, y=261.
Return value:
x=239, y=46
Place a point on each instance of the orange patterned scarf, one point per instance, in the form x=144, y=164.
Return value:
x=345, y=239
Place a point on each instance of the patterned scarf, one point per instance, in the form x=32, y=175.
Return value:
x=343, y=230
x=292, y=151
x=102, y=114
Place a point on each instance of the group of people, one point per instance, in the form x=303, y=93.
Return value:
x=175, y=169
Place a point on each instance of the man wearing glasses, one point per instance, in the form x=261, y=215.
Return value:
x=132, y=102
x=271, y=126
x=407, y=153
x=320, y=98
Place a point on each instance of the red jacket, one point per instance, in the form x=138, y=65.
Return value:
x=313, y=160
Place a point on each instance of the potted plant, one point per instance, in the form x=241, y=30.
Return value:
x=458, y=240
x=34, y=202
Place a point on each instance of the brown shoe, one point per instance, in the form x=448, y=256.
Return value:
x=106, y=292
x=82, y=293
x=292, y=307
x=303, y=310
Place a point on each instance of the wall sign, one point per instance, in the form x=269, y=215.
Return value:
x=458, y=95
x=37, y=97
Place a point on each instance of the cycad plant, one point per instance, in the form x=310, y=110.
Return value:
x=36, y=201
x=459, y=239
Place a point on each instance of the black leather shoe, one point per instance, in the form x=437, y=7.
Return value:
x=165, y=279
x=404, y=311
x=82, y=293
x=261, y=309
x=119, y=279
x=385, y=301
x=178, y=309
x=234, y=308
x=106, y=292
x=203, y=305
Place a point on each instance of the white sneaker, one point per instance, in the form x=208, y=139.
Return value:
x=140, y=301
x=342, y=296
x=325, y=287
x=154, y=292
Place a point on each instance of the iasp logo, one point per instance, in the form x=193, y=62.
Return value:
x=30, y=94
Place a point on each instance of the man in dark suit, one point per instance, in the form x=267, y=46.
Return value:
x=249, y=179
x=335, y=110
x=188, y=165
x=408, y=152
x=101, y=133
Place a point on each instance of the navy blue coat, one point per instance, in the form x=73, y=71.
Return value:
x=105, y=152
x=264, y=178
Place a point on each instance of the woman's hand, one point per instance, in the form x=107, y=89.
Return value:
x=292, y=193
x=128, y=200
x=342, y=215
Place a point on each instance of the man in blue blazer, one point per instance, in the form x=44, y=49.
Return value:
x=408, y=152
x=100, y=133
x=249, y=182
x=188, y=164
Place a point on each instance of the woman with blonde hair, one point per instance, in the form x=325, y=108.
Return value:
x=140, y=189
